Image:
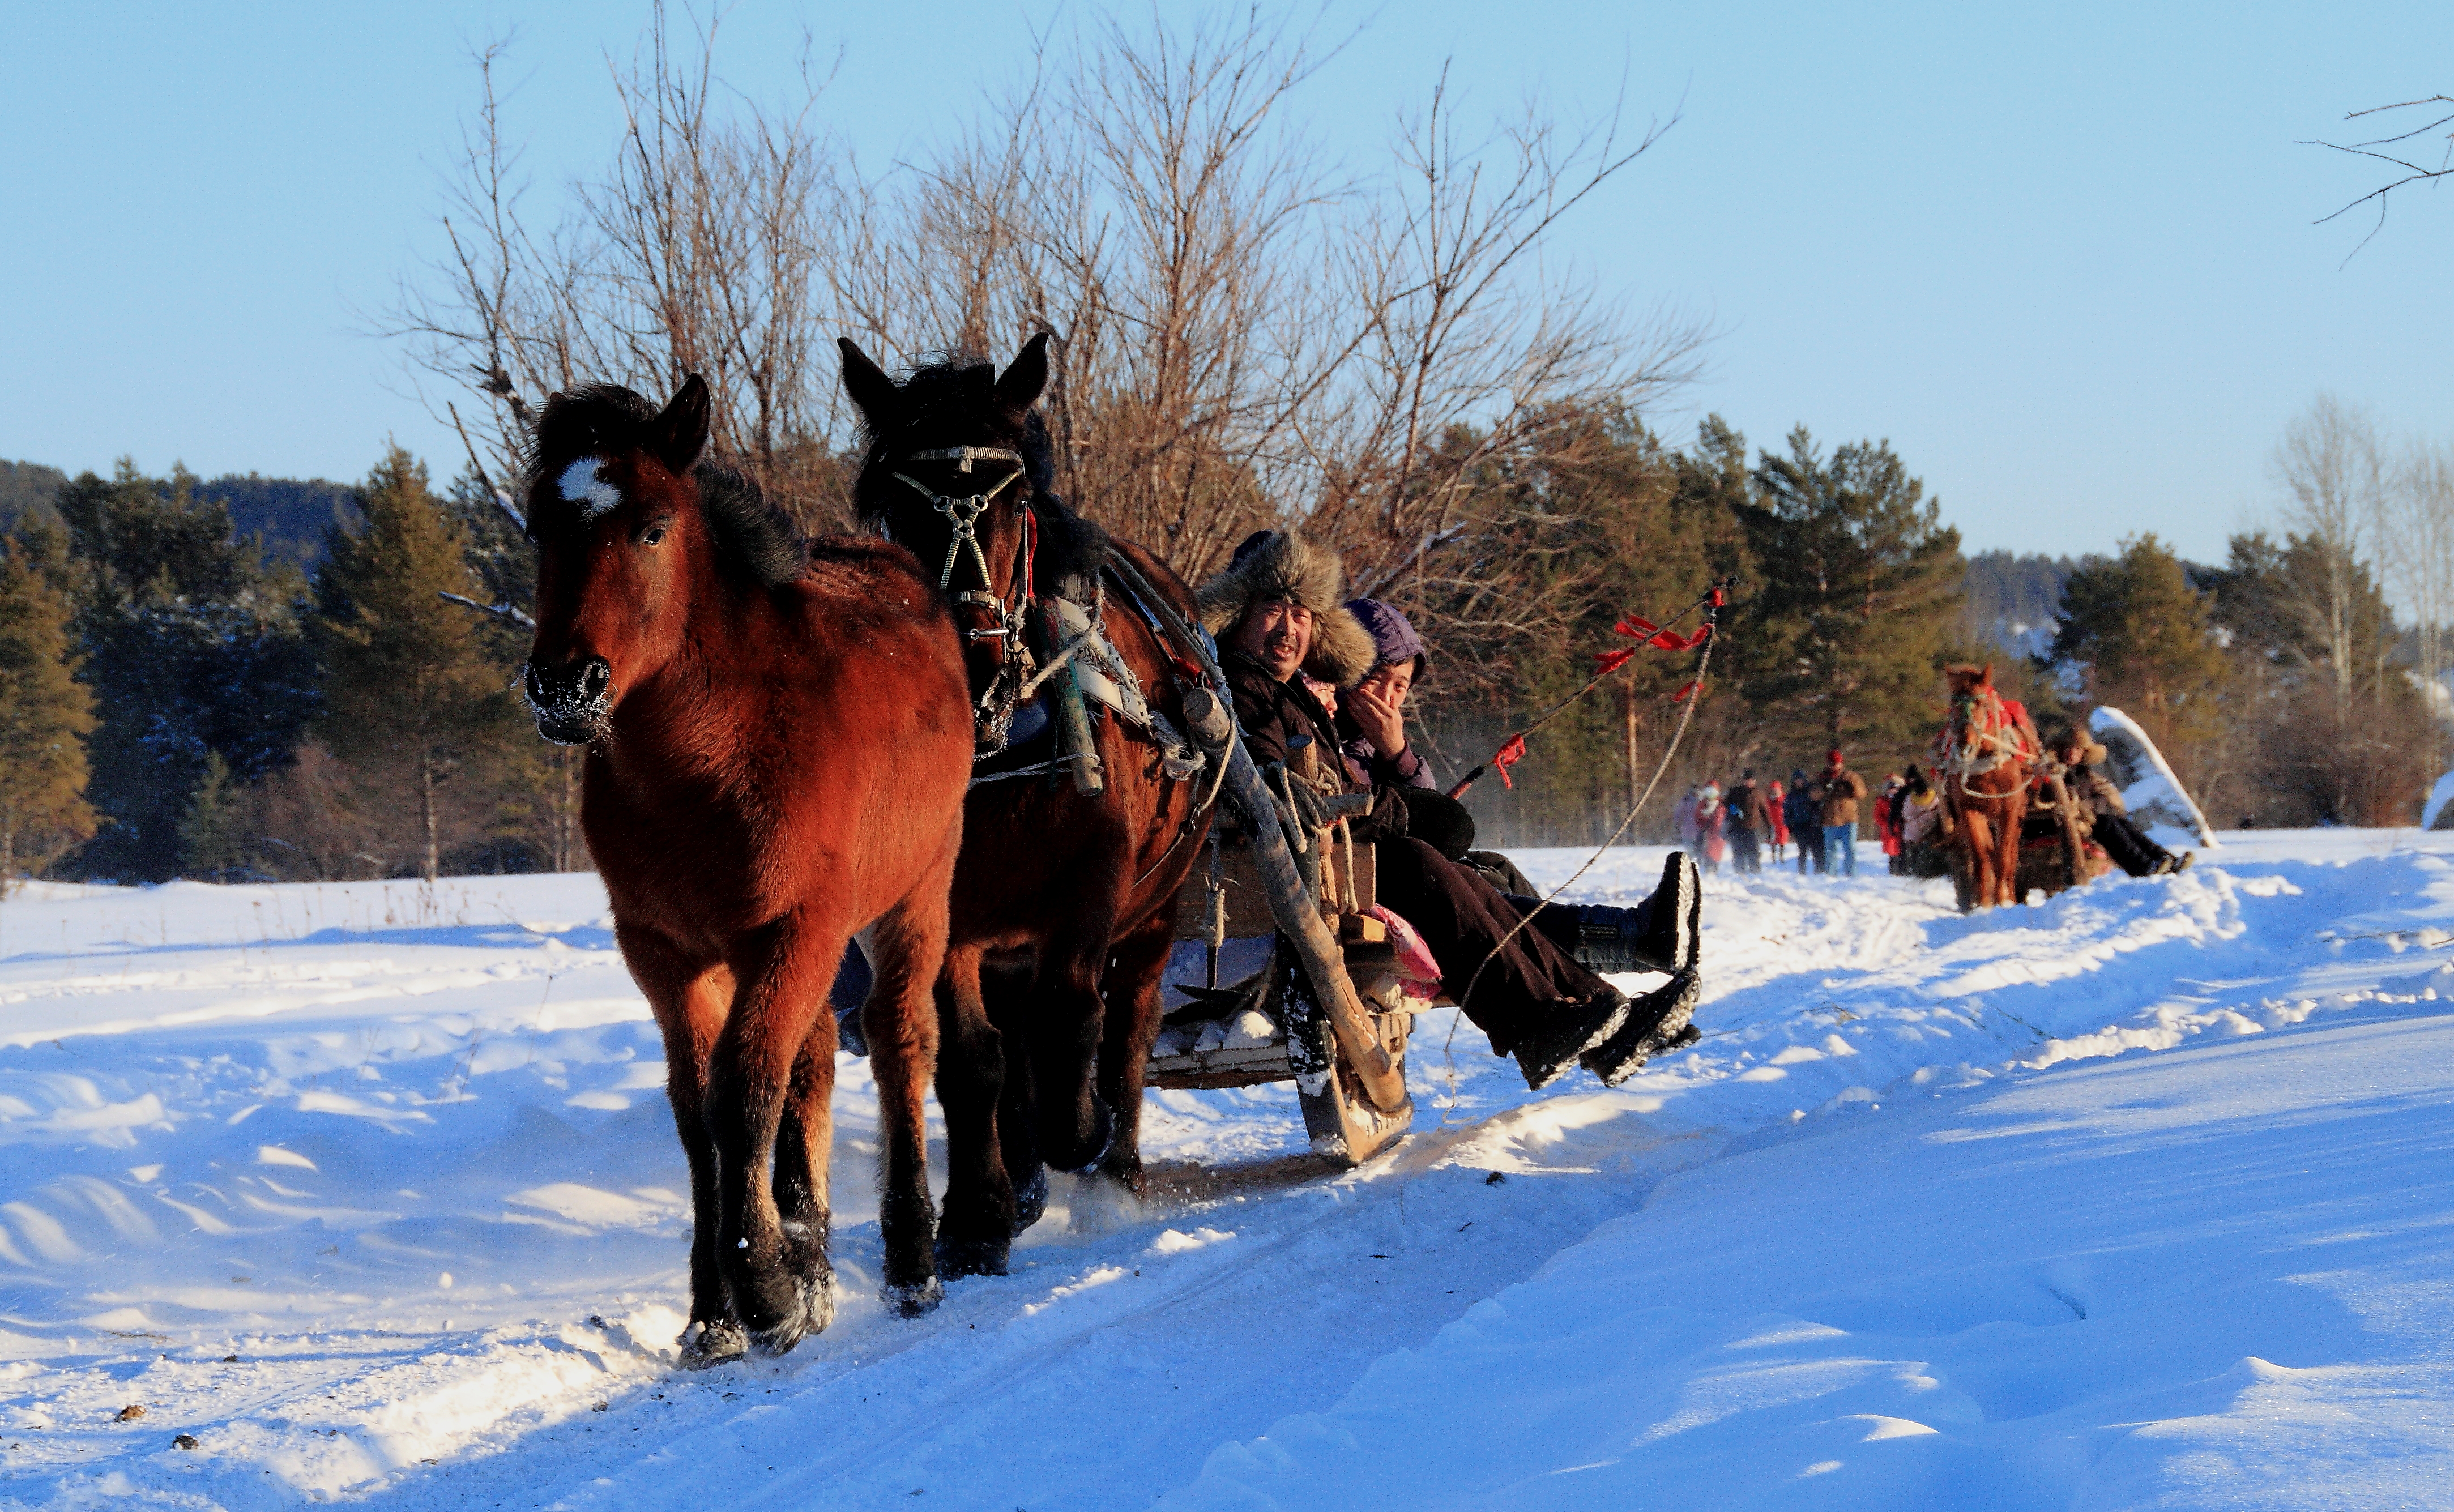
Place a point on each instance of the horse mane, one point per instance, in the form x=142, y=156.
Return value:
x=753, y=539
x=950, y=398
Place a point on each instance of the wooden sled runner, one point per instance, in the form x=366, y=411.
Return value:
x=1326, y=1010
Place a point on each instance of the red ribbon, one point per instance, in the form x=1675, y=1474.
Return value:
x=1508, y=755
x=1610, y=661
x=1653, y=635
x=1681, y=697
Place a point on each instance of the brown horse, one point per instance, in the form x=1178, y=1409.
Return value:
x=1982, y=762
x=776, y=758
x=1064, y=903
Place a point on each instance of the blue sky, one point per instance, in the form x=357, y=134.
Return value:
x=2062, y=257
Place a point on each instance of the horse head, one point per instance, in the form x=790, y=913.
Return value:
x=634, y=532
x=959, y=470
x=1972, y=692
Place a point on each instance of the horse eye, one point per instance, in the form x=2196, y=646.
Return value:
x=655, y=535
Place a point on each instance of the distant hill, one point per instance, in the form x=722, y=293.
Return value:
x=28, y=488
x=289, y=513
x=2014, y=600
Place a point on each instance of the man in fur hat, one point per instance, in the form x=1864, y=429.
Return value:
x=1278, y=612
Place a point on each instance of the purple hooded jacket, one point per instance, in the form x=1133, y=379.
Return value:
x=1393, y=641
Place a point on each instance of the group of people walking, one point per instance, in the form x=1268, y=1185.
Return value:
x=1817, y=815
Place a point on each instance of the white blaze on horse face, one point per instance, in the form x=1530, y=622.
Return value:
x=583, y=483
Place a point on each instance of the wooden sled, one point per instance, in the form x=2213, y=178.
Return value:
x=1326, y=1010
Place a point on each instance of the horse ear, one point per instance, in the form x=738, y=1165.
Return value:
x=1018, y=386
x=873, y=393
x=681, y=432
x=1985, y=679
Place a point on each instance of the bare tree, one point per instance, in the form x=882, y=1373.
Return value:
x=1249, y=333
x=2408, y=165
x=2333, y=465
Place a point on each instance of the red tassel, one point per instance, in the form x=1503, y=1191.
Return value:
x=1681, y=697
x=1609, y=661
x=1508, y=755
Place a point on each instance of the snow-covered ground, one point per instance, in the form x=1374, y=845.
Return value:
x=370, y=1191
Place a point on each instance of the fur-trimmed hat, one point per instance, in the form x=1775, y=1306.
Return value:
x=1282, y=565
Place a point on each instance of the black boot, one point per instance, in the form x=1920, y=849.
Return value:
x=1659, y=1022
x=1575, y=1027
x=1680, y=898
x=1605, y=940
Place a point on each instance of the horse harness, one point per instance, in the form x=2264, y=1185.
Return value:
x=1995, y=739
x=1078, y=632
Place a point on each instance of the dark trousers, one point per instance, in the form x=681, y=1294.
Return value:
x=1810, y=847
x=1462, y=917
x=1744, y=854
x=2129, y=846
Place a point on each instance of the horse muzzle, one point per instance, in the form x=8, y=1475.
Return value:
x=572, y=702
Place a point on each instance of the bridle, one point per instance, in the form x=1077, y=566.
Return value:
x=995, y=712
x=1981, y=737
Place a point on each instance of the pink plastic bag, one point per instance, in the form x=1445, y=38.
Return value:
x=1418, y=973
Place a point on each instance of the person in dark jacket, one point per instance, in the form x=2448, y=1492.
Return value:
x=1803, y=814
x=1276, y=612
x=1750, y=823
x=2084, y=779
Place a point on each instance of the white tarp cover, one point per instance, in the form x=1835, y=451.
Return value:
x=2439, y=814
x=2150, y=790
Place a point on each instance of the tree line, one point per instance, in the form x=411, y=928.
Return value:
x=177, y=699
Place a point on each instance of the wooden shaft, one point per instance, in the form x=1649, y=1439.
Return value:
x=1299, y=917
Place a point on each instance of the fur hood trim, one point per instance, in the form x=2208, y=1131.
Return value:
x=1281, y=564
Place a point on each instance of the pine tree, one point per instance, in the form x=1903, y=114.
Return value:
x=412, y=698
x=192, y=644
x=212, y=836
x=1861, y=587
x=2141, y=631
x=45, y=712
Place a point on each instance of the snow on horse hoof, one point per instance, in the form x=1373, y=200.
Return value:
x=706, y=1344
x=813, y=1310
x=916, y=1300
x=1030, y=1202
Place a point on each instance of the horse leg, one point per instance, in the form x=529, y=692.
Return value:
x=1135, y=967
x=690, y=999
x=804, y=1143
x=2009, y=860
x=781, y=1292
x=1007, y=994
x=1979, y=829
x=900, y=1020
x=976, y=1227
x=1074, y=1127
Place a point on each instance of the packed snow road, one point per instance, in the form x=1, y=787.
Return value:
x=371, y=1193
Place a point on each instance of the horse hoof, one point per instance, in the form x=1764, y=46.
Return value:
x=704, y=1344
x=1103, y=1133
x=1030, y=1202
x=813, y=1310
x=970, y=1258
x=917, y=1301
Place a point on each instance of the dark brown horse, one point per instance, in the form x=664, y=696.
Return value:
x=1064, y=904
x=1984, y=760
x=776, y=759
